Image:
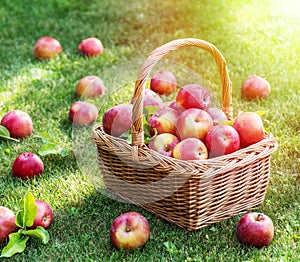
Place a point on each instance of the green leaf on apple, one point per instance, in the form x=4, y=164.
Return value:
x=4, y=133
x=38, y=232
x=16, y=244
x=50, y=146
x=28, y=211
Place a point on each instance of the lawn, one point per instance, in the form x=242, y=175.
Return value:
x=255, y=37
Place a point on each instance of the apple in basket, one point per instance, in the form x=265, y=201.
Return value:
x=18, y=123
x=7, y=223
x=163, y=82
x=164, y=143
x=190, y=149
x=217, y=115
x=164, y=121
x=150, y=98
x=27, y=165
x=193, y=96
x=255, y=229
x=117, y=120
x=90, y=86
x=46, y=47
x=250, y=128
x=83, y=113
x=176, y=106
x=44, y=216
x=255, y=87
x=91, y=46
x=222, y=139
x=129, y=231
x=195, y=123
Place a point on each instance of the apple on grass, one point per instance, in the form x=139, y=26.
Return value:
x=91, y=46
x=46, y=47
x=164, y=144
x=255, y=229
x=44, y=215
x=164, y=121
x=190, y=149
x=222, y=139
x=117, y=120
x=90, y=86
x=18, y=123
x=27, y=165
x=129, y=231
x=193, y=96
x=195, y=123
x=250, y=128
x=255, y=87
x=163, y=82
x=83, y=113
x=7, y=223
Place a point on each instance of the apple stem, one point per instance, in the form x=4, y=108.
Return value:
x=258, y=217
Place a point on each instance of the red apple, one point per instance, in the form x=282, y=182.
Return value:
x=255, y=87
x=90, y=86
x=176, y=106
x=44, y=216
x=190, y=149
x=46, y=47
x=18, y=123
x=217, y=115
x=164, y=121
x=83, y=113
x=255, y=229
x=164, y=144
x=150, y=98
x=221, y=140
x=91, y=46
x=27, y=165
x=195, y=123
x=163, y=83
x=250, y=127
x=193, y=96
x=7, y=223
x=129, y=231
x=117, y=119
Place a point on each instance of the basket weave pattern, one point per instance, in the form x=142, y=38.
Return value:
x=190, y=194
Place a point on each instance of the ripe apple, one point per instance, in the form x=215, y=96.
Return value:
x=221, y=140
x=217, y=115
x=164, y=143
x=18, y=123
x=83, y=113
x=90, y=86
x=91, y=46
x=195, y=123
x=190, y=149
x=193, y=96
x=46, y=47
x=164, y=121
x=44, y=215
x=255, y=87
x=129, y=231
x=150, y=98
x=163, y=83
x=255, y=229
x=27, y=165
x=118, y=119
x=7, y=223
x=250, y=127
x=177, y=107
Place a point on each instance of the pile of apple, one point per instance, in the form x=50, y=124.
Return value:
x=188, y=128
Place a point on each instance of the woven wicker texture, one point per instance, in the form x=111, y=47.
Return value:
x=190, y=194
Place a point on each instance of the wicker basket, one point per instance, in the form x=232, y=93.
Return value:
x=190, y=194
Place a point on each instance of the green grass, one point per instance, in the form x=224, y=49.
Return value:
x=255, y=37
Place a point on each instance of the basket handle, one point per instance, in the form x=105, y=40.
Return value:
x=153, y=58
